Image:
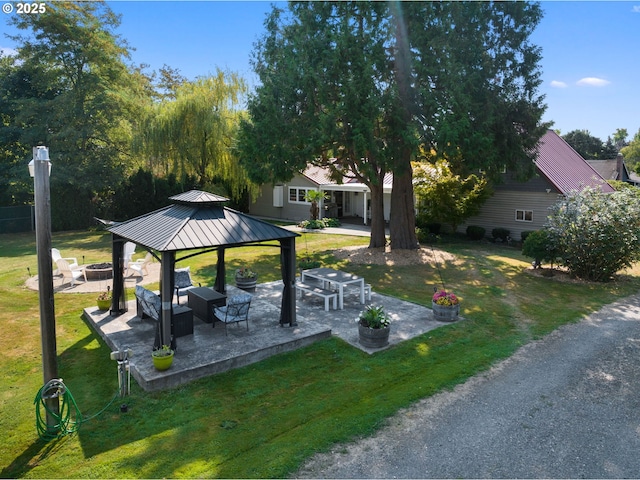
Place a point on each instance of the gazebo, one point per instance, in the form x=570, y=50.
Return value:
x=199, y=221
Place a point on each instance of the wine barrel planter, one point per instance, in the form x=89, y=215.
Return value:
x=373, y=337
x=248, y=284
x=445, y=313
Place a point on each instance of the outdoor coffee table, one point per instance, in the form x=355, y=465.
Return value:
x=203, y=299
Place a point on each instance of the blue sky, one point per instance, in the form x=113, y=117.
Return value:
x=590, y=66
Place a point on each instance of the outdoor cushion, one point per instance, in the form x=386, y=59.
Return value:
x=149, y=302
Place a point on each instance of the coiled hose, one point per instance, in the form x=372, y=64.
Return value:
x=68, y=418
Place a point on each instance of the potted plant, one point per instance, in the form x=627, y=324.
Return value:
x=374, y=327
x=445, y=306
x=162, y=357
x=246, y=279
x=104, y=299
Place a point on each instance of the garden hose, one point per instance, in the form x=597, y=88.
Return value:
x=68, y=418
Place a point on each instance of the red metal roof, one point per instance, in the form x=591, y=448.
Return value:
x=565, y=168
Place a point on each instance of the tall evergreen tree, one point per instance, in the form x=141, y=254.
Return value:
x=359, y=86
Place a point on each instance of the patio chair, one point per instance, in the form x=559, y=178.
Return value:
x=182, y=282
x=127, y=253
x=140, y=266
x=55, y=256
x=67, y=271
x=235, y=311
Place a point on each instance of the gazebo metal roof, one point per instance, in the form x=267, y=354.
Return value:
x=199, y=220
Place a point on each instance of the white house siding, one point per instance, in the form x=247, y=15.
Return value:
x=297, y=212
x=500, y=212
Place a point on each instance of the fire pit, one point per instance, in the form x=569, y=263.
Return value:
x=99, y=271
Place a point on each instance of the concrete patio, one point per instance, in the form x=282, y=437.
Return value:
x=208, y=351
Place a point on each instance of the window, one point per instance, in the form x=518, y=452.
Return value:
x=296, y=195
x=524, y=215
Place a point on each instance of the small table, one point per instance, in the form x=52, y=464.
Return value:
x=339, y=278
x=182, y=321
x=203, y=299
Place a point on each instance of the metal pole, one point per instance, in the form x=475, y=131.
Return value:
x=45, y=281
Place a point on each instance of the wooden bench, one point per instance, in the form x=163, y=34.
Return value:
x=320, y=292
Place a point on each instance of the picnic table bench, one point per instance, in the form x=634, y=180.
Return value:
x=320, y=292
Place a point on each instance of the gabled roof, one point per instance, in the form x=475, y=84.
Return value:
x=197, y=220
x=322, y=178
x=607, y=169
x=565, y=168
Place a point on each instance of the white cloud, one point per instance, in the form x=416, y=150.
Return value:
x=8, y=52
x=558, y=84
x=593, y=82
x=635, y=9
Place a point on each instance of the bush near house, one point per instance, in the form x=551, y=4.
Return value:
x=596, y=234
x=501, y=234
x=474, y=232
x=538, y=245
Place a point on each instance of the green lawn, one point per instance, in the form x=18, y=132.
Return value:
x=265, y=419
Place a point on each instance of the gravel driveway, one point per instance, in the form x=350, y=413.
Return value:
x=567, y=406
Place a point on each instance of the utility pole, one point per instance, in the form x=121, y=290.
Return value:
x=40, y=169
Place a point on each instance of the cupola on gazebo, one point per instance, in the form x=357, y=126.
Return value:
x=199, y=221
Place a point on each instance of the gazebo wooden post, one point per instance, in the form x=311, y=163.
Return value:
x=220, y=284
x=118, y=300
x=166, y=294
x=288, y=266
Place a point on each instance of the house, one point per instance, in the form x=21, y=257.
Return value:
x=345, y=199
x=524, y=206
x=615, y=169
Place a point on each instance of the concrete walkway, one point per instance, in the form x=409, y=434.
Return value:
x=567, y=406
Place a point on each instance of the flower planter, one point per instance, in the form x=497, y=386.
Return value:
x=162, y=362
x=373, y=337
x=248, y=284
x=104, y=304
x=445, y=313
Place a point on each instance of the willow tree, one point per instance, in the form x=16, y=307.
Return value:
x=195, y=133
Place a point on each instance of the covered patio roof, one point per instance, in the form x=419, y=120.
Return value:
x=199, y=220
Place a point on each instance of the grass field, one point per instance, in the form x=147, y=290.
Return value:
x=265, y=419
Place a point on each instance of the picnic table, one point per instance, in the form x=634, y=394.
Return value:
x=338, y=278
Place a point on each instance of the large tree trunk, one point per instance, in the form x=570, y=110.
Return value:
x=378, y=238
x=402, y=224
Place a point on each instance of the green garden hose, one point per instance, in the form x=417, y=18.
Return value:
x=68, y=418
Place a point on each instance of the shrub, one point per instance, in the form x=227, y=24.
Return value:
x=538, y=245
x=318, y=224
x=596, y=234
x=501, y=234
x=524, y=235
x=475, y=232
